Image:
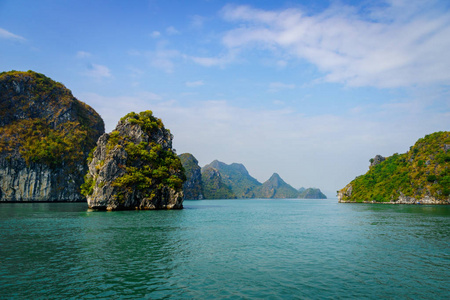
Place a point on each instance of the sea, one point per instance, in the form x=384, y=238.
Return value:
x=226, y=249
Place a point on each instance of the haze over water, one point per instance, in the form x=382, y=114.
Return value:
x=277, y=249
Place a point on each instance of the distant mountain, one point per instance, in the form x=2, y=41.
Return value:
x=193, y=186
x=311, y=193
x=276, y=187
x=214, y=186
x=237, y=178
x=219, y=180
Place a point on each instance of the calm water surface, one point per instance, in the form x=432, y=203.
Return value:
x=253, y=249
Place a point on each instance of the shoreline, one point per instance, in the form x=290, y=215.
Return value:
x=440, y=202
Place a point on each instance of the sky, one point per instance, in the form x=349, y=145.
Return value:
x=308, y=89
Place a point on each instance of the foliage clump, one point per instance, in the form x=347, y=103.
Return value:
x=422, y=171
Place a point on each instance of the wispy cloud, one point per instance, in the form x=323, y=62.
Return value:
x=98, y=71
x=197, y=21
x=172, y=30
x=155, y=34
x=161, y=58
x=5, y=34
x=399, y=44
x=214, y=61
x=83, y=54
x=194, y=83
x=277, y=86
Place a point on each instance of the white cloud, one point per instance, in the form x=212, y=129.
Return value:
x=172, y=30
x=197, y=21
x=194, y=83
x=98, y=71
x=382, y=49
x=5, y=34
x=277, y=86
x=155, y=34
x=219, y=61
x=83, y=54
x=161, y=58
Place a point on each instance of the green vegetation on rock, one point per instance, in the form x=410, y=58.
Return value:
x=214, y=186
x=43, y=121
x=46, y=135
x=135, y=167
x=424, y=171
x=237, y=178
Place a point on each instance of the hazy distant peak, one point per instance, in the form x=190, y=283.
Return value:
x=276, y=179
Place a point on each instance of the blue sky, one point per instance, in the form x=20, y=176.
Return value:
x=308, y=89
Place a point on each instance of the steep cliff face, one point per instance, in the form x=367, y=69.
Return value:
x=422, y=175
x=192, y=187
x=46, y=135
x=134, y=167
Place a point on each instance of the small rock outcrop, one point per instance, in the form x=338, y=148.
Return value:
x=192, y=187
x=134, y=167
x=46, y=135
x=376, y=160
x=311, y=193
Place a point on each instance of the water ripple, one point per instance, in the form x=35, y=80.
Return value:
x=226, y=249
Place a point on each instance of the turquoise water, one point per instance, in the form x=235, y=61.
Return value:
x=253, y=249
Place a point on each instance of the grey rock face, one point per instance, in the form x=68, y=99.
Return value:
x=38, y=182
x=122, y=180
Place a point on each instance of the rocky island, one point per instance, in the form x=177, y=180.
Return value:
x=134, y=167
x=46, y=135
x=420, y=176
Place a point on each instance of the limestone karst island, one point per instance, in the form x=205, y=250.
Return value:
x=53, y=148
x=420, y=176
x=46, y=135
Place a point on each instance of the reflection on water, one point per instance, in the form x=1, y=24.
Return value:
x=226, y=249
